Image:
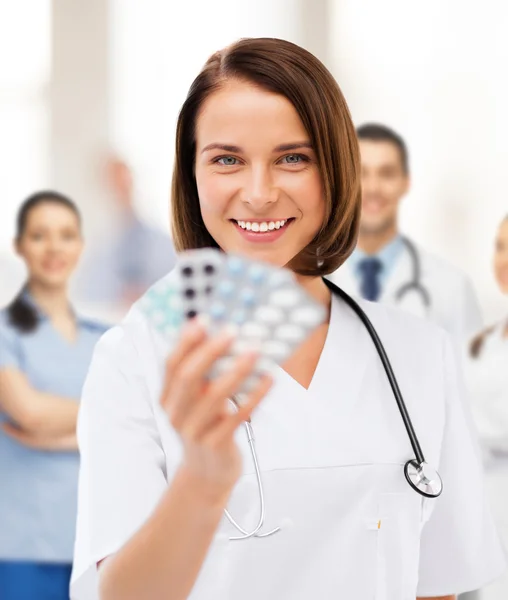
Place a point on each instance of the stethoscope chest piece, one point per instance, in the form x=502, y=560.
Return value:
x=423, y=478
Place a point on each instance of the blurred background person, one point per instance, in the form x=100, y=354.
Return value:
x=45, y=350
x=388, y=266
x=487, y=378
x=134, y=255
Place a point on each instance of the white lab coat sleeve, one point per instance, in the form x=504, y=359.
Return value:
x=460, y=550
x=123, y=467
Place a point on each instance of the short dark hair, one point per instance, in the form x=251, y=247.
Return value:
x=286, y=69
x=381, y=133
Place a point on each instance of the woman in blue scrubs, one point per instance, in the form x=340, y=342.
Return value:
x=45, y=350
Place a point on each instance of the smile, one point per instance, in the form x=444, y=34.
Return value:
x=262, y=232
x=262, y=226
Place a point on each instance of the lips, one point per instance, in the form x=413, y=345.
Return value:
x=262, y=231
x=54, y=266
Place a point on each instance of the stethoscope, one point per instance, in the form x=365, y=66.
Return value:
x=423, y=478
x=415, y=283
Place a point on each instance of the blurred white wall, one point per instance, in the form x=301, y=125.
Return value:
x=436, y=72
x=155, y=55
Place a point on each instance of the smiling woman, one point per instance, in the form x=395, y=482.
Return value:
x=267, y=166
x=45, y=350
x=305, y=173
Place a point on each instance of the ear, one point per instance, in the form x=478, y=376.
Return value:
x=407, y=184
x=16, y=247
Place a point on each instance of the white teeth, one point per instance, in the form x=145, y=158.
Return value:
x=262, y=227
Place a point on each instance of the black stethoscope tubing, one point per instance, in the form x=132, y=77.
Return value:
x=415, y=444
x=416, y=468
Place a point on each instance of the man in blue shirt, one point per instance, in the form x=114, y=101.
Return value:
x=386, y=266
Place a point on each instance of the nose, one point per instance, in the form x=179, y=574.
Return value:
x=259, y=189
x=370, y=184
x=54, y=244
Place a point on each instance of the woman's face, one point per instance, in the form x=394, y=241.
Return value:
x=51, y=244
x=258, y=181
x=501, y=257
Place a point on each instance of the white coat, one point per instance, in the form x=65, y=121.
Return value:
x=331, y=459
x=454, y=305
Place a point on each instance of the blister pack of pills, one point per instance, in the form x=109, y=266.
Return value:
x=272, y=313
x=163, y=307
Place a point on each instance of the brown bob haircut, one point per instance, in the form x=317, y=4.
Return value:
x=284, y=68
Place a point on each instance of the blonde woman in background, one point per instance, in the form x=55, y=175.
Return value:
x=487, y=375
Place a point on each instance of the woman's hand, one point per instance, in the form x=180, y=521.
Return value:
x=48, y=443
x=199, y=409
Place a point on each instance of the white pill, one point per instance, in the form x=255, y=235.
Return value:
x=175, y=303
x=281, y=276
x=255, y=330
x=244, y=346
x=266, y=365
x=307, y=315
x=290, y=333
x=275, y=350
x=270, y=315
x=285, y=298
x=158, y=317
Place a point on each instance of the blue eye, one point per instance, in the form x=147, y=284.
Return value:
x=294, y=159
x=227, y=161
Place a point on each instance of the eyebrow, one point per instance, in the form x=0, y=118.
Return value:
x=237, y=149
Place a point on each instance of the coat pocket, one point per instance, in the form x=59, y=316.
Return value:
x=398, y=523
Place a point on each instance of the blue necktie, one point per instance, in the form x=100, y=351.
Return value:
x=370, y=269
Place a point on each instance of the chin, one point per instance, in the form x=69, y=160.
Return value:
x=374, y=226
x=53, y=281
x=267, y=255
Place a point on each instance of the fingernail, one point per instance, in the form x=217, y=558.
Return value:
x=203, y=320
x=229, y=331
x=196, y=325
x=200, y=323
